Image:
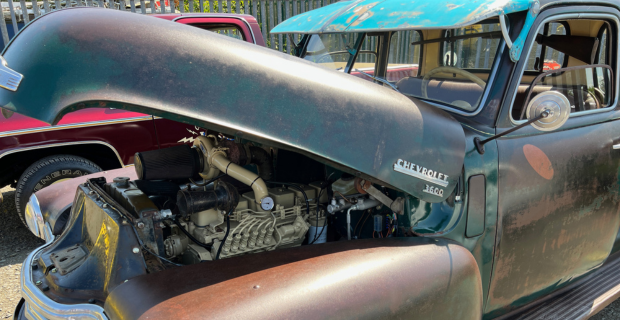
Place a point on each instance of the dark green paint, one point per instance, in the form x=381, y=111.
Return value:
x=537, y=233
x=231, y=86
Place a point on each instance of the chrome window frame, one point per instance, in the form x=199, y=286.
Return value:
x=568, y=16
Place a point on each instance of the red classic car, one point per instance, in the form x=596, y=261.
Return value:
x=34, y=155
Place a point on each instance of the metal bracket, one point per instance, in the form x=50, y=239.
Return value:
x=516, y=47
x=396, y=205
x=502, y=24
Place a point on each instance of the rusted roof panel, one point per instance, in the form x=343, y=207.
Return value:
x=383, y=15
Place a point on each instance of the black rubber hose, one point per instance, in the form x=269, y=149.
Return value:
x=205, y=183
x=223, y=197
x=317, y=236
x=261, y=158
x=219, y=250
x=206, y=246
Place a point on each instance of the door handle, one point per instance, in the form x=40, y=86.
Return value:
x=616, y=146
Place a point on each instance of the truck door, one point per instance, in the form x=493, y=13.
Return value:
x=558, y=210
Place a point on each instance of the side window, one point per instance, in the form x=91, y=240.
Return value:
x=332, y=50
x=587, y=83
x=223, y=29
x=475, y=48
x=404, y=58
x=366, y=59
x=544, y=58
x=603, y=54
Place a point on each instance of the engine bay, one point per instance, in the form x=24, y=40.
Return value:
x=218, y=199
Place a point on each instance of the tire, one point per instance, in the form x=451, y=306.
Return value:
x=47, y=171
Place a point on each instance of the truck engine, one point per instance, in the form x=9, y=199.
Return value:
x=204, y=203
x=220, y=198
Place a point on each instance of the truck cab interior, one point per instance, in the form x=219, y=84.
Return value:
x=451, y=67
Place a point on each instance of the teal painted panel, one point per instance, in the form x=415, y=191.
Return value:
x=384, y=15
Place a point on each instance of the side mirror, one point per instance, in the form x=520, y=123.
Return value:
x=556, y=93
x=555, y=104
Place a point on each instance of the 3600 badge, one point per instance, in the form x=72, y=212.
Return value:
x=433, y=190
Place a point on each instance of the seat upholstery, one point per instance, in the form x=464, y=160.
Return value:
x=442, y=90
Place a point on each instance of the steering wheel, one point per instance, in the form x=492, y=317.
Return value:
x=323, y=56
x=599, y=95
x=468, y=75
x=592, y=97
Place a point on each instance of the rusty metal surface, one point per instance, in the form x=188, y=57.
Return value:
x=220, y=83
x=109, y=260
x=388, y=15
x=365, y=279
x=558, y=211
x=56, y=198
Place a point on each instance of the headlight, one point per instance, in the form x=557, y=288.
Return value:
x=34, y=218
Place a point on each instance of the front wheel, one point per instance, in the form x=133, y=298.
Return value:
x=47, y=171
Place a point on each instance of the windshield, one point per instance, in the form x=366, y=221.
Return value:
x=334, y=50
x=448, y=66
x=455, y=67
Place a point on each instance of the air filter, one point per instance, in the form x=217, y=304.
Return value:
x=174, y=163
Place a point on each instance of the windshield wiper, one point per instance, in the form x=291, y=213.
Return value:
x=378, y=79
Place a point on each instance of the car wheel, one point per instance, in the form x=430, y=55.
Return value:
x=20, y=310
x=47, y=171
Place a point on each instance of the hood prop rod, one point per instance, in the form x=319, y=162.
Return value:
x=480, y=143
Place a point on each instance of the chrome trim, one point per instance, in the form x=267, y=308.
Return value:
x=48, y=236
x=39, y=306
x=73, y=126
x=9, y=78
x=616, y=146
x=34, y=217
x=502, y=24
x=219, y=16
x=572, y=16
x=52, y=145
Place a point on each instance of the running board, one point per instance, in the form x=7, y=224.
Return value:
x=581, y=300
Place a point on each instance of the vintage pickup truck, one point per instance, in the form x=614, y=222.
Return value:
x=472, y=185
x=34, y=155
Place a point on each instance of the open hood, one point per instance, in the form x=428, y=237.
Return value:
x=88, y=57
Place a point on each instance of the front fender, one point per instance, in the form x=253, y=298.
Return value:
x=395, y=278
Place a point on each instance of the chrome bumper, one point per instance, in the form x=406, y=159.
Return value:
x=34, y=220
x=38, y=306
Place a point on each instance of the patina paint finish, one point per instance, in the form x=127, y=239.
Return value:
x=559, y=211
x=224, y=84
x=482, y=246
x=386, y=15
x=398, y=278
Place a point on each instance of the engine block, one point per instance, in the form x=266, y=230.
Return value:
x=251, y=229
